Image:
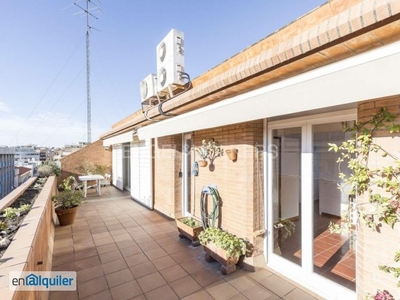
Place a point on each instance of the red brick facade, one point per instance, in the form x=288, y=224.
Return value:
x=336, y=30
x=378, y=248
x=239, y=183
x=94, y=153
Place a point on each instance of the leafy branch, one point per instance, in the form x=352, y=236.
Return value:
x=381, y=184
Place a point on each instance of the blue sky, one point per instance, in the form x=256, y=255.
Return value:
x=43, y=58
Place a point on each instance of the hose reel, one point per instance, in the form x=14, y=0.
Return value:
x=208, y=220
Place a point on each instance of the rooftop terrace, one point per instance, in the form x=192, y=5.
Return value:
x=121, y=250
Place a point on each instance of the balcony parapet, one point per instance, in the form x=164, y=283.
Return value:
x=31, y=249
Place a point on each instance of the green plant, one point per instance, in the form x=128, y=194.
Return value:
x=189, y=221
x=381, y=185
x=3, y=225
x=24, y=208
x=90, y=168
x=209, y=150
x=49, y=168
x=10, y=213
x=67, y=197
x=287, y=226
x=233, y=245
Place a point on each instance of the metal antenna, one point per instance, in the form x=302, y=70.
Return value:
x=89, y=11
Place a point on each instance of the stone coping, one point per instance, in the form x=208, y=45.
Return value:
x=11, y=197
x=18, y=255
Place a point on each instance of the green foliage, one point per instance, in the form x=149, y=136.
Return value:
x=233, y=245
x=67, y=197
x=345, y=226
x=393, y=270
x=287, y=226
x=11, y=212
x=90, y=168
x=49, y=168
x=3, y=225
x=380, y=184
x=190, y=222
x=209, y=150
x=24, y=208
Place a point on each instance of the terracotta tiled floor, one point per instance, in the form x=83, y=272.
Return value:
x=121, y=250
x=328, y=245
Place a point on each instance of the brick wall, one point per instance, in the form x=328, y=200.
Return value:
x=236, y=181
x=378, y=248
x=167, y=184
x=239, y=184
x=94, y=153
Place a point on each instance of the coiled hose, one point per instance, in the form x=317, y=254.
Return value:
x=208, y=220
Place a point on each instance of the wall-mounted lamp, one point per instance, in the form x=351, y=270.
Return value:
x=232, y=154
x=106, y=147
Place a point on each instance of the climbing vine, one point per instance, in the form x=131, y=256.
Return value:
x=380, y=184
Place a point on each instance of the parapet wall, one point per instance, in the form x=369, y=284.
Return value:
x=32, y=247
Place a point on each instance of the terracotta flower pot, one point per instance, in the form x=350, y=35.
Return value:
x=66, y=216
x=232, y=154
x=202, y=163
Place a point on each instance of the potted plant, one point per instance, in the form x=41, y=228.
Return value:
x=283, y=229
x=224, y=247
x=67, y=201
x=208, y=150
x=190, y=228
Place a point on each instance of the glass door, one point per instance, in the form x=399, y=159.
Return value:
x=186, y=173
x=286, y=202
x=333, y=254
x=304, y=196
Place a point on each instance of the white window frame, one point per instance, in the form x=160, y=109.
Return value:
x=303, y=274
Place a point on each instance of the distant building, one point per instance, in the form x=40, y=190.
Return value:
x=43, y=155
x=22, y=174
x=68, y=149
x=6, y=171
x=25, y=154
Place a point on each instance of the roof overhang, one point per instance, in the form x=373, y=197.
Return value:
x=370, y=75
x=119, y=139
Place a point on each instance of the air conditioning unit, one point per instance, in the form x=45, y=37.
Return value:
x=169, y=74
x=170, y=60
x=148, y=87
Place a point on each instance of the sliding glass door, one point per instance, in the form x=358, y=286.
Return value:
x=304, y=196
x=286, y=203
x=333, y=254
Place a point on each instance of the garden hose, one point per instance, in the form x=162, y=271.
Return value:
x=208, y=220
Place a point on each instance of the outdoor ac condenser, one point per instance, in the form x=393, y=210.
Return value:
x=170, y=60
x=148, y=87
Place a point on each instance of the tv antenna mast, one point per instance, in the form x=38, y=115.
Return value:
x=90, y=11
